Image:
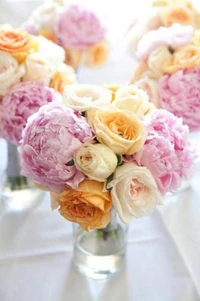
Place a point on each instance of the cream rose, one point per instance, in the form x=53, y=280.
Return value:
x=121, y=130
x=82, y=97
x=150, y=86
x=10, y=72
x=52, y=52
x=97, y=161
x=133, y=99
x=134, y=192
x=157, y=59
x=37, y=68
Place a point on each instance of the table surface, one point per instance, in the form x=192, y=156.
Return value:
x=163, y=254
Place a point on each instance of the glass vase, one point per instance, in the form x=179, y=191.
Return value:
x=19, y=192
x=99, y=254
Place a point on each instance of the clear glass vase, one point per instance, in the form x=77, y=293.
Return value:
x=19, y=192
x=100, y=253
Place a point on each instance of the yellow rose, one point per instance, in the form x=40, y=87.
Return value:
x=96, y=161
x=18, y=43
x=97, y=54
x=88, y=205
x=157, y=59
x=181, y=13
x=113, y=88
x=48, y=34
x=64, y=76
x=120, y=130
x=184, y=58
x=196, y=38
x=139, y=70
x=133, y=99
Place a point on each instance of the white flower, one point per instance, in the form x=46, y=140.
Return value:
x=134, y=192
x=82, y=97
x=97, y=161
x=10, y=72
x=37, y=67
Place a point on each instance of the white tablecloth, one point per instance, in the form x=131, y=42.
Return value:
x=163, y=255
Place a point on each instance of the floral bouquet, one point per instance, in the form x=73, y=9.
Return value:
x=32, y=73
x=77, y=29
x=103, y=148
x=162, y=13
x=169, y=71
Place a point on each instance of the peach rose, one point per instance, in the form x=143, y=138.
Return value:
x=97, y=54
x=64, y=76
x=48, y=34
x=73, y=57
x=120, y=130
x=184, y=58
x=88, y=205
x=181, y=13
x=133, y=99
x=157, y=59
x=18, y=43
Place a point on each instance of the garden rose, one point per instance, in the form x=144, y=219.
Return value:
x=88, y=205
x=10, y=72
x=17, y=42
x=97, y=54
x=174, y=36
x=120, y=130
x=82, y=97
x=97, y=161
x=157, y=59
x=134, y=192
x=49, y=142
x=186, y=57
x=180, y=94
x=37, y=68
x=64, y=76
x=166, y=152
x=78, y=28
x=19, y=103
x=133, y=99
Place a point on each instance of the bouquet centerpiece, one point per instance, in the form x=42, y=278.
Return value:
x=76, y=28
x=104, y=147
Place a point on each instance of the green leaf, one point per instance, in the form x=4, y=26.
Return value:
x=109, y=179
x=70, y=163
x=119, y=159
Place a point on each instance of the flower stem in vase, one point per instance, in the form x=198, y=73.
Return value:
x=18, y=191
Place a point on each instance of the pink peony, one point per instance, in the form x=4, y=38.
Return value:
x=78, y=28
x=180, y=94
x=49, y=141
x=19, y=103
x=166, y=153
x=174, y=36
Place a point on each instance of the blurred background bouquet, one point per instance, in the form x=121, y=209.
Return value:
x=32, y=73
x=76, y=28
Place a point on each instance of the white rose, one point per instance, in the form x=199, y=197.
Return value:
x=52, y=52
x=37, y=68
x=157, y=59
x=133, y=99
x=44, y=16
x=82, y=97
x=150, y=86
x=97, y=161
x=10, y=72
x=134, y=192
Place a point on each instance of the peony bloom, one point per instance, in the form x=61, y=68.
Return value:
x=23, y=100
x=174, y=36
x=78, y=28
x=10, y=72
x=88, y=205
x=180, y=94
x=49, y=142
x=166, y=152
x=134, y=192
